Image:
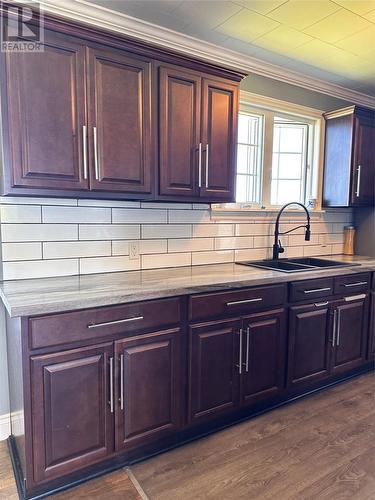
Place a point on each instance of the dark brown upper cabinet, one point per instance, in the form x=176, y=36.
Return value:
x=197, y=131
x=349, y=165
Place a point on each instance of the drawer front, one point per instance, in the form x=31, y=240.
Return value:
x=57, y=329
x=236, y=302
x=352, y=283
x=310, y=289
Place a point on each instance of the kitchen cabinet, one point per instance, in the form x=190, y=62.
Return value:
x=198, y=129
x=148, y=392
x=72, y=425
x=349, y=165
x=371, y=341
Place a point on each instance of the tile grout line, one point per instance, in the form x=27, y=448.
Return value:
x=136, y=484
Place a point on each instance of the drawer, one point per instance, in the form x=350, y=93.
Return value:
x=310, y=289
x=64, y=328
x=352, y=284
x=235, y=302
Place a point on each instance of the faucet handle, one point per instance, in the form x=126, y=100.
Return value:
x=281, y=248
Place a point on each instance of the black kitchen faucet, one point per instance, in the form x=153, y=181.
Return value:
x=277, y=248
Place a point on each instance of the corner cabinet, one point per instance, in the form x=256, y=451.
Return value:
x=349, y=164
x=100, y=115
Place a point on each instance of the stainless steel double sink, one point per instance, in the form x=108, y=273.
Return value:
x=296, y=265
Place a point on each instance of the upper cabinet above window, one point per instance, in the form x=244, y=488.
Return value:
x=349, y=164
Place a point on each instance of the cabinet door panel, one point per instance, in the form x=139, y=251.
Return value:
x=46, y=113
x=264, y=356
x=179, y=129
x=119, y=108
x=350, y=335
x=213, y=368
x=371, y=337
x=72, y=423
x=309, y=344
x=219, y=137
x=152, y=391
x=363, y=168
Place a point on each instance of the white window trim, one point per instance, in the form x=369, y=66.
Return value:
x=255, y=101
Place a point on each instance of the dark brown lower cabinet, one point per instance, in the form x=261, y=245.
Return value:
x=264, y=350
x=309, y=343
x=213, y=368
x=72, y=425
x=147, y=395
x=371, y=337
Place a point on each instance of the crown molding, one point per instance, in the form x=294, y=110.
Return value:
x=95, y=15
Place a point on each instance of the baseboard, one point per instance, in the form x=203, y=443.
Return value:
x=4, y=426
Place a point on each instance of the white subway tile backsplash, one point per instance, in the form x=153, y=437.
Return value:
x=39, y=269
x=299, y=240
x=166, y=231
x=21, y=251
x=252, y=254
x=254, y=229
x=138, y=216
x=212, y=230
x=219, y=257
x=331, y=238
x=267, y=241
x=110, y=232
x=166, y=260
x=234, y=242
x=77, y=215
x=30, y=200
x=190, y=245
x=166, y=206
x=20, y=214
x=70, y=249
x=145, y=247
x=38, y=232
x=109, y=203
x=309, y=251
x=189, y=216
x=108, y=264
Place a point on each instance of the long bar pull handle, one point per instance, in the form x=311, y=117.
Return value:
x=108, y=323
x=200, y=165
x=315, y=290
x=358, y=181
x=207, y=151
x=355, y=297
x=122, y=381
x=334, y=327
x=96, y=162
x=338, y=328
x=84, y=147
x=248, y=301
x=240, y=355
x=111, y=405
x=358, y=283
x=247, y=348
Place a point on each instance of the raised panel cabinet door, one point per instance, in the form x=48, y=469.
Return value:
x=350, y=335
x=265, y=346
x=371, y=337
x=120, y=142
x=214, y=368
x=363, y=167
x=46, y=117
x=309, y=343
x=149, y=389
x=72, y=422
x=179, y=132
x=219, y=138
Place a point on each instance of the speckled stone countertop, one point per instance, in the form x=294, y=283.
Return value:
x=49, y=295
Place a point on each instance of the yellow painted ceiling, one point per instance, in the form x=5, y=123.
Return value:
x=331, y=39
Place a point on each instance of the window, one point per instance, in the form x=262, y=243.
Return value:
x=277, y=156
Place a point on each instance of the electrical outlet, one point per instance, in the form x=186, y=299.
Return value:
x=133, y=250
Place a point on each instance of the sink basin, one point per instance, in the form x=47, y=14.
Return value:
x=296, y=265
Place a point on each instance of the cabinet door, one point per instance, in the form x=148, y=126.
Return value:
x=309, y=343
x=179, y=129
x=219, y=138
x=363, y=167
x=119, y=122
x=46, y=114
x=371, y=337
x=350, y=335
x=72, y=422
x=264, y=345
x=213, y=368
x=149, y=392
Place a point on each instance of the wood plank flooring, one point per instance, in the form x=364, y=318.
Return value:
x=319, y=448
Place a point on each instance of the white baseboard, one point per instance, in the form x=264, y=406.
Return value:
x=4, y=426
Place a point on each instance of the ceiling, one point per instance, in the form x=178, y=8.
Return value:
x=333, y=40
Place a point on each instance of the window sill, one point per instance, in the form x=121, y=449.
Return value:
x=240, y=212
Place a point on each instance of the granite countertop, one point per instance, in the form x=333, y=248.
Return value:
x=50, y=295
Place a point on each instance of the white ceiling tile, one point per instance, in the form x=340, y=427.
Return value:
x=300, y=14
x=358, y=6
x=247, y=25
x=206, y=13
x=260, y=6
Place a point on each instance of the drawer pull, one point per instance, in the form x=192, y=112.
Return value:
x=239, y=366
x=316, y=290
x=321, y=304
x=108, y=323
x=111, y=405
x=355, y=297
x=237, y=302
x=358, y=283
x=122, y=382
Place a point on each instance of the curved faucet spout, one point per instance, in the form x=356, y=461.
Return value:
x=277, y=248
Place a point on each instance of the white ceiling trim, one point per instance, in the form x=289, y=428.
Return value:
x=83, y=11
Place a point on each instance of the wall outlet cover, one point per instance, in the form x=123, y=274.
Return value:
x=133, y=250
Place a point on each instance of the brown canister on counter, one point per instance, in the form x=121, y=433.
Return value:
x=349, y=234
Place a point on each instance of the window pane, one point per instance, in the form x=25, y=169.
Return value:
x=241, y=189
x=290, y=166
x=243, y=129
x=285, y=191
x=291, y=138
x=242, y=159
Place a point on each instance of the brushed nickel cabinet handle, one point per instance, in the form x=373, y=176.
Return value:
x=247, y=301
x=355, y=297
x=359, y=283
x=358, y=181
x=96, y=162
x=111, y=384
x=200, y=165
x=334, y=327
x=122, y=381
x=338, y=328
x=240, y=354
x=207, y=166
x=315, y=290
x=321, y=304
x=108, y=323
x=247, y=348
x=84, y=147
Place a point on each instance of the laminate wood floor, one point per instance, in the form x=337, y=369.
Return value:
x=319, y=448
